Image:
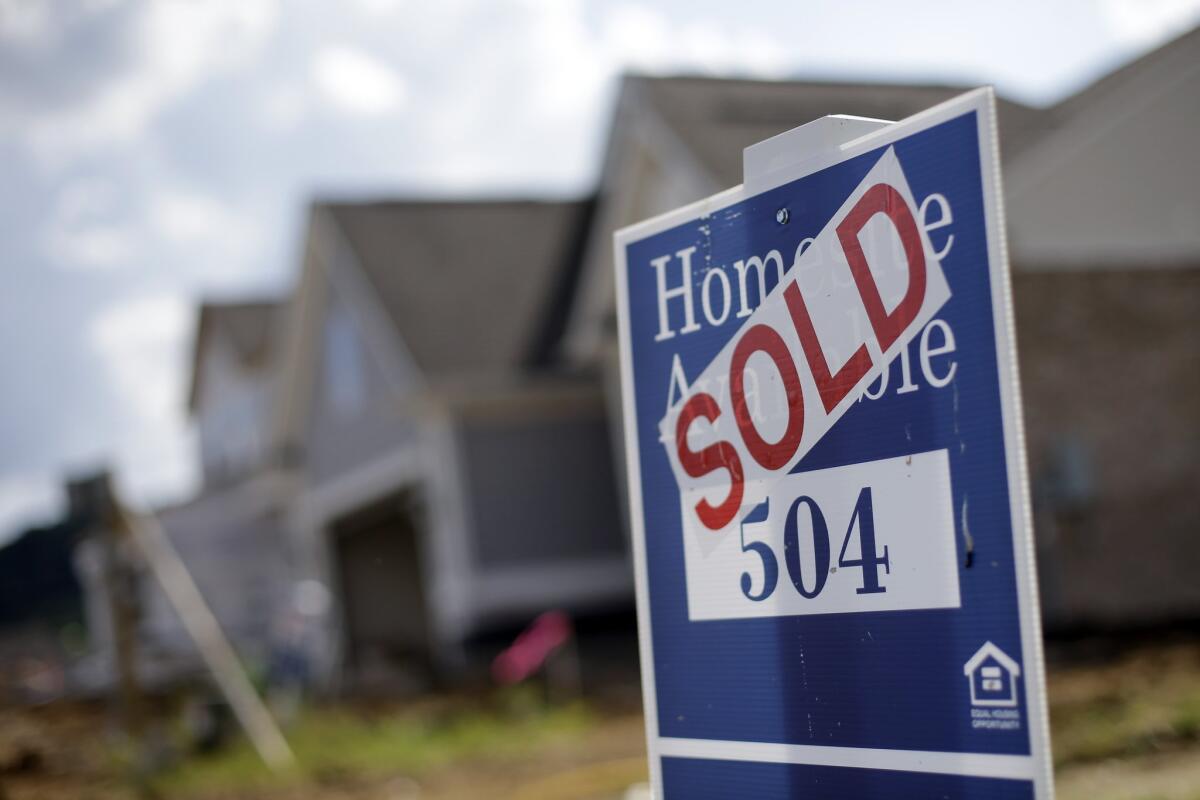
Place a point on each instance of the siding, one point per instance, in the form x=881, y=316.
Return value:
x=342, y=438
x=541, y=490
x=240, y=562
x=1110, y=365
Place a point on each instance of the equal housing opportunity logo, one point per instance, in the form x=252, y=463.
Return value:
x=993, y=679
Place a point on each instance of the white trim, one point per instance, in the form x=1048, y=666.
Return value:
x=1013, y=421
x=295, y=381
x=633, y=471
x=981, y=101
x=329, y=265
x=451, y=590
x=976, y=765
x=429, y=467
x=346, y=275
x=314, y=512
x=326, y=501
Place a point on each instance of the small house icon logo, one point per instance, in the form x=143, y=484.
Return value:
x=993, y=677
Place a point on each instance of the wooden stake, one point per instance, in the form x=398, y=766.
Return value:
x=205, y=631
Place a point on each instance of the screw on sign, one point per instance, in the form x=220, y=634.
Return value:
x=841, y=432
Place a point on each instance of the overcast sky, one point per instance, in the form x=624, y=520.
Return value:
x=155, y=153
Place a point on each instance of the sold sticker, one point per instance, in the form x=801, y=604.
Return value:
x=854, y=298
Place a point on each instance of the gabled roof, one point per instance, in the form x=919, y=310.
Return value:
x=471, y=286
x=717, y=117
x=248, y=327
x=1113, y=184
x=1182, y=48
x=677, y=139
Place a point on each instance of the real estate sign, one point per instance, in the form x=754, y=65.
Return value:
x=827, y=482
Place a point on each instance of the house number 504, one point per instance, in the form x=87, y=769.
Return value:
x=804, y=513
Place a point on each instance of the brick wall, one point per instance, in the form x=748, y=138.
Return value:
x=1110, y=367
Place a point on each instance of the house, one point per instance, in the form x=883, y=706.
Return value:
x=1104, y=223
x=451, y=478
x=992, y=676
x=232, y=386
x=429, y=426
x=675, y=140
x=230, y=535
x=1105, y=232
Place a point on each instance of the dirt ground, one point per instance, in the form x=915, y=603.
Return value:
x=58, y=751
x=1125, y=728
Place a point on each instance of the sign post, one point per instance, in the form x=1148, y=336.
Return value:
x=826, y=466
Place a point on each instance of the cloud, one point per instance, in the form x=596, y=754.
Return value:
x=143, y=342
x=174, y=47
x=284, y=107
x=25, y=501
x=355, y=82
x=207, y=240
x=92, y=246
x=84, y=230
x=539, y=78
x=95, y=227
x=141, y=339
x=22, y=21
x=639, y=37
x=378, y=7
x=184, y=218
x=1142, y=23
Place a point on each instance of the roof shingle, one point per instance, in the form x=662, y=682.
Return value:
x=465, y=283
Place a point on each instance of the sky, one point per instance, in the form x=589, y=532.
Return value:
x=152, y=154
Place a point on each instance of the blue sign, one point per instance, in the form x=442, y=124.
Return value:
x=827, y=481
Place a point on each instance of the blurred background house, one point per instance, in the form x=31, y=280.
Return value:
x=231, y=535
x=1104, y=225
x=451, y=480
x=425, y=428
x=1104, y=229
x=396, y=432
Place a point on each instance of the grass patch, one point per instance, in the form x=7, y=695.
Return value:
x=1145, y=704
x=340, y=745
